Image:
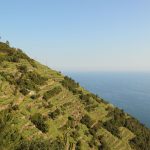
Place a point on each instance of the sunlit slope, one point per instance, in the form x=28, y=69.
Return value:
x=42, y=109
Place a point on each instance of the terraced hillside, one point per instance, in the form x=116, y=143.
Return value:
x=40, y=109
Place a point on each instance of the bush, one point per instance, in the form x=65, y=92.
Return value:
x=57, y=144
x=47, y=95
x=92, y=107
x=53, y=115
x=89, y=103
x=93, y=131
x=4, y=48
x=70, y=84
x=15, y=107
x=33, y=96
x=40, y=144
x=29, y=81
x=39, y=122
x=24, y=91
x=23, y=68
x=8, y=134
x=12, y=58
x=118, y=120
x=142, y=139
x=87, y=121
x=71, y=122
x=111, y=127
x=86, y=99
x=50, y=105
x=35, y=144
x=75, y=135
x=78, y=145
x=14, y=55
x=36, y=78
x=8, y=77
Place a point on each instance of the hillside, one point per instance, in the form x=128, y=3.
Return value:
x=42, y=109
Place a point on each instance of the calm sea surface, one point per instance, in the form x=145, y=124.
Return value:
x=129, y=91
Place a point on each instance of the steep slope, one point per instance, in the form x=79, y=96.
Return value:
x=42, y=109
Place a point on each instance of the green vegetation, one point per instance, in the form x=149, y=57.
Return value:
x=4, y=48
x=23, y=68
x=47, y=95
x=13, y=55
x=142, y=139
x=90, y=105
x=39, y=122
x=11, y=135
x=71, y=85
x=53, y=115
x=8, y=77
x=29, y=81
x=26, y=82
x=87, y=121
x=40, y=109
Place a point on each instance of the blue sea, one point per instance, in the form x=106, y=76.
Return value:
x=128, y=91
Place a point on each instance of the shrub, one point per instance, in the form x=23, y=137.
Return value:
x=70, y=84
x=24, y=91
x=87, y=121
x=57, y=144
x=23, y=68
x=142, y=139
x=8, y=77
x=75, y=135
x=15, y=107
x=33, y=96
x=4, y=48
x=36, y=78
x=53, y=115
x=39, y=122
x=40, y=144
x=91, y=107
x=71, y=122
x=29, y=81
x=14, y=55
x=95, y=128
x=118, y=120
x=8, y=134
x=52, y=92
x=111, y=127
x=88, y=102
x=12, y=58
x=86, y=99
x=35, y=144
x=50, y=105
x=78, y=145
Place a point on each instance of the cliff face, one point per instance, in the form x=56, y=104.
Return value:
x=42, y=109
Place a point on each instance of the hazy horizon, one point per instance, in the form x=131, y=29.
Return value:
x=80, y=35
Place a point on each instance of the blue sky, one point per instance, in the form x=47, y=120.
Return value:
x=80, y=35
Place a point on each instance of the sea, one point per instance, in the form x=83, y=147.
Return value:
x=129, y=91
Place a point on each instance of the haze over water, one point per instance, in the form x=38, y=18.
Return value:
x=129, y=91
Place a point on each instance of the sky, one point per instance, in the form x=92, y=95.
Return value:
x=80, y=35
